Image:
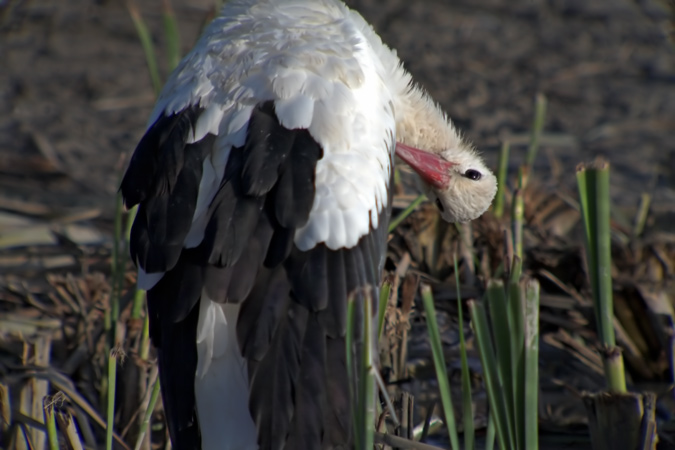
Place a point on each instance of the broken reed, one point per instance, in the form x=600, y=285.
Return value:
x=69, y=430
x=616, y=418
x=52, y=415
x=50, y=422
x=593, y=183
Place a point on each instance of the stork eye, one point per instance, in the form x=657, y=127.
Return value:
x=440, y=205
x=473, y=174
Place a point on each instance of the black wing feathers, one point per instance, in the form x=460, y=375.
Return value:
x=177, y=355
x=309, y=277
x=334, y=318
x=337, y=413
x=158, y=158
x=180, y=289
x=310, y=396
x=274, y=380
x=292, y=323
x=280, y=246
x=267, y=147
x=262, y=312
x=168, y=194
x=274, y=160
x=234, y=216
x=293, y=199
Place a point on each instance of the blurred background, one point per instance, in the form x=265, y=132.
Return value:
x=75, y=94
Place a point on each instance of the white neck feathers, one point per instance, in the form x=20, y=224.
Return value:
x=420, y=121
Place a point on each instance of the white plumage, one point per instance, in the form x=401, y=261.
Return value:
x=323, y=74
x=221, y=382
x=264, y=185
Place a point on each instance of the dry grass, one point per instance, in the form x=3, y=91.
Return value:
x=55, y=289
x=53, y=340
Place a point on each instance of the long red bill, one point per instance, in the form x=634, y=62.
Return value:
x=432, y=168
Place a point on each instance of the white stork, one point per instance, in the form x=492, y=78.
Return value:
x=264, y=190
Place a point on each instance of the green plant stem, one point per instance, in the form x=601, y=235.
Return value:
x=148, y=415
x=145, y=339
x=131, y=216
x=351, y=372
x=502, y=173
x=117, y=270
x=506, y=350
x=515, y=314
x=439, y=364
x=487, y=356
x=517, y=220
x=148, y=48
x=531, y=376
x=387, y=402
x=516, y=270
x=643, y=213
x=604, y=256
x=50, y=422
x=171, y=34
x=110, y=416
x=367, y=379
x=467, y=403
x=385, y=292
x=120, y=255
x=490, y=433
x=537, y=127
x=112, y=313
x=612, y=361
x=593, y=183
x=139, y=301
x=406, y=212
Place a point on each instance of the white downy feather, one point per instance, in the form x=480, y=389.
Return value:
x=221, y=382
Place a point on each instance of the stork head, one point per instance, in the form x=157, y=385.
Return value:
x=457, y=180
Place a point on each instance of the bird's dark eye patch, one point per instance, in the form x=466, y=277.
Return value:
x=440, y=205
x=473, y=174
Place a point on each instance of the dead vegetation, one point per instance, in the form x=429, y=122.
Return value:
x=54, y=341
x=56, y=249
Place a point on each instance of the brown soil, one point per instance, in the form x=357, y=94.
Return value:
x=74, y=85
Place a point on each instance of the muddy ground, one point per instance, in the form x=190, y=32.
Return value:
x=74, y=86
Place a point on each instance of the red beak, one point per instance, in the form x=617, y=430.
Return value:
x=432, y=168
